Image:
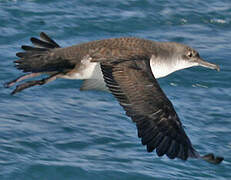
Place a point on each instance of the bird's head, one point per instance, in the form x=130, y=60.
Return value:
x=171, y=57
x=186, y=56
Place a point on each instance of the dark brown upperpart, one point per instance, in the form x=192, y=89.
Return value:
x=108, y=49
x=117, y=48
x=50, y=57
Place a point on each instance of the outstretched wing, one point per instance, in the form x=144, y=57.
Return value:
x=138, y=92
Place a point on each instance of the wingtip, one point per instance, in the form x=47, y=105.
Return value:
x=213, y=159
x=12, y=93
x=6, y=85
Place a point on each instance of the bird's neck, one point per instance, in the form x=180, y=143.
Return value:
x=163, y=67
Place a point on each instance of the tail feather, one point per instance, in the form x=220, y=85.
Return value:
x=30, y=61
x=41, y=43
x=29, y=54
x=44, y=42
x=30, y=48
x=46, y=38
x=40, y=58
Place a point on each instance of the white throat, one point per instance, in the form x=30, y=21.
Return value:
x=162, y=68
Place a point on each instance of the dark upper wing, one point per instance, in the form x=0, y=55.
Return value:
x=138, y=92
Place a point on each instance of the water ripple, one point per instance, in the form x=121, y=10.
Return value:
x=58, y=132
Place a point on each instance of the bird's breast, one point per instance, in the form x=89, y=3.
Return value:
x=160, y=68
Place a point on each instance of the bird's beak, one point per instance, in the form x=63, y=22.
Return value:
x=206, y=64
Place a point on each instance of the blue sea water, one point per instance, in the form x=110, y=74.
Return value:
x=58, y=132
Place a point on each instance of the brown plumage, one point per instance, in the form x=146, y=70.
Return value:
x=158, y=124
x=128, y=67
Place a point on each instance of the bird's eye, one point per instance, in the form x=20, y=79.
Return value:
x=189, y=54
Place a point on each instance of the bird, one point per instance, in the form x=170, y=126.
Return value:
x=128, y=67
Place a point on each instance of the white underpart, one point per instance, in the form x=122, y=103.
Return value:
x=91, y=73
x=163, y=68
x=160, y=69
x=87, y=70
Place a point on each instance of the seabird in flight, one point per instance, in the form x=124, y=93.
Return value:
x=128, y=67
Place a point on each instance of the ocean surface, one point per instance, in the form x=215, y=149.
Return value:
x=57, y=132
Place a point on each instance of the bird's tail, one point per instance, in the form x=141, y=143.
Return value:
x=35, y=60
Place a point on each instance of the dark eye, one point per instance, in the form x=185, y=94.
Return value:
x=189, y=54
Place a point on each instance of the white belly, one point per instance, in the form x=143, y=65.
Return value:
x=86, y=70
x=91, y=75
x=90, y=71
